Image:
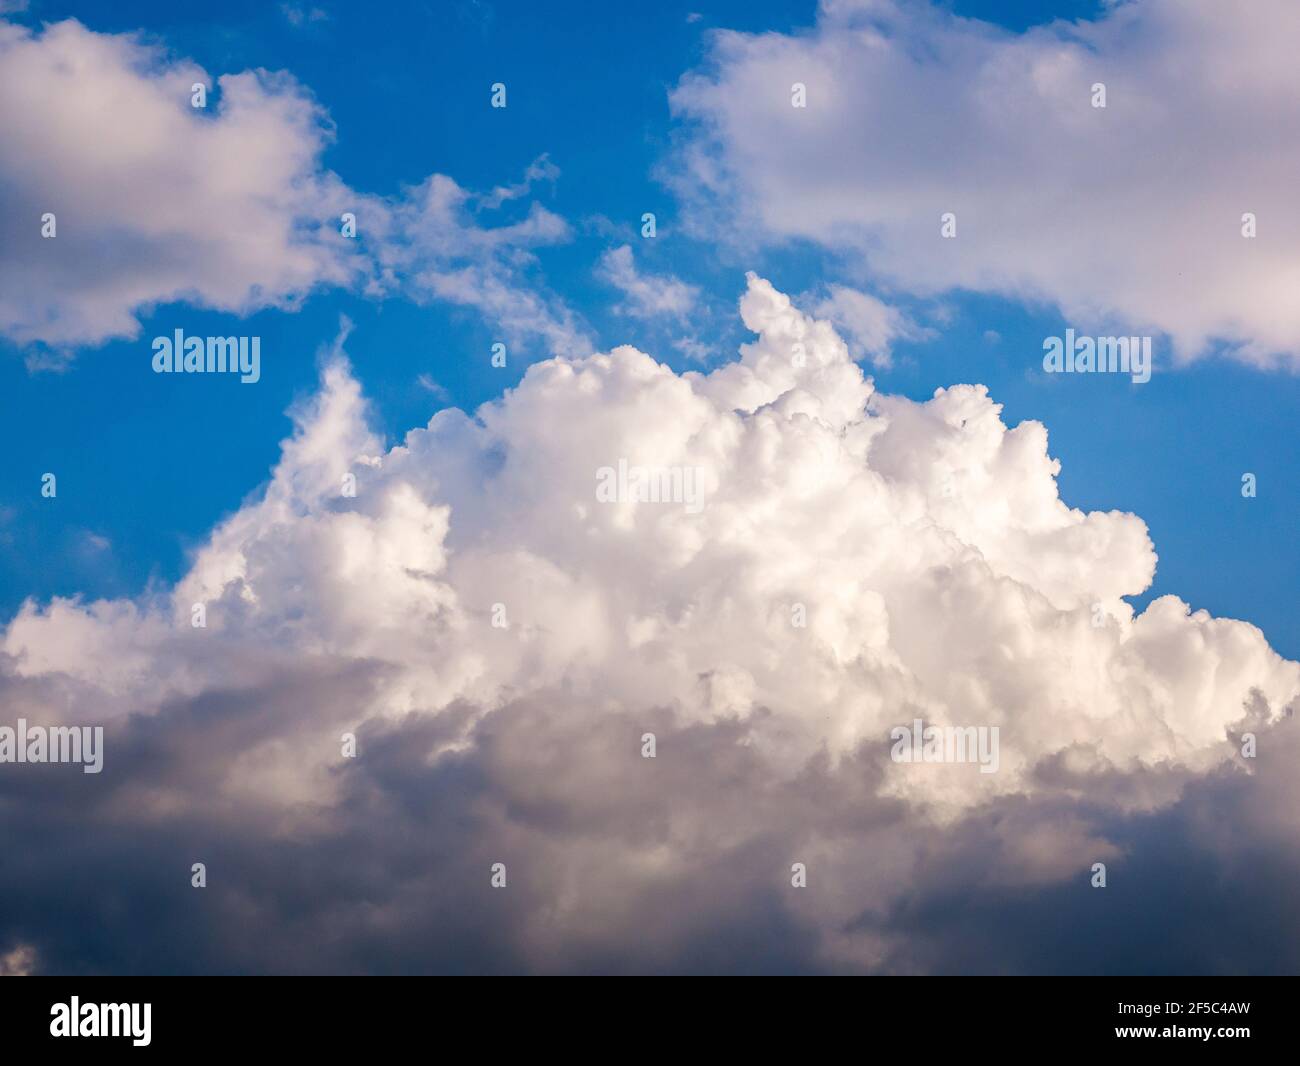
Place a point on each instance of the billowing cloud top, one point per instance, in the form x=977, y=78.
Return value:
x=938, y=568
x=479, y=598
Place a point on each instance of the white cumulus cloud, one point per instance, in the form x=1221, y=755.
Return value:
x=941, y=575
x=227, y=206
x=1131, y=214
x=500, y=640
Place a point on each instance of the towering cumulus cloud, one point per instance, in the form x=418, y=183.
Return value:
x=500, y=638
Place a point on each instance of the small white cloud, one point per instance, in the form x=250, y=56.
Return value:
x=94, y=543
x=870, y=324
x=693, y=349
x=302, y=14
x=646, y=295
x=541, y=169
x=438, y=392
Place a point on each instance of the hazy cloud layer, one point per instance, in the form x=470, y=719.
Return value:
x=941, y=576
x=1128, y=216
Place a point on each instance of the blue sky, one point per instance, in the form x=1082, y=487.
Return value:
x=147, y=463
